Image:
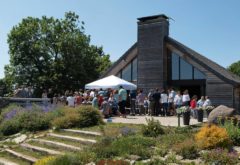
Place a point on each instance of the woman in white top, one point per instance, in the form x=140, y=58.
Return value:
x=178, y=100
x=164, y=101
x=186, y=98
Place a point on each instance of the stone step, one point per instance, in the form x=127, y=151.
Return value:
x=57, y=144
x=83, y=132
x=41, y=149
x=22, y=156
x=7, y=162
x=83, y=140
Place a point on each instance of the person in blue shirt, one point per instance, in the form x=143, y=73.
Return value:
x=122, y=101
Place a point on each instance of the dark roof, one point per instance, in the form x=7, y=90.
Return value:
x=123, y=57
x=153, y=17
x=208, y=64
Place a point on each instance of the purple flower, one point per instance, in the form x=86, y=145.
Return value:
x=10, y=114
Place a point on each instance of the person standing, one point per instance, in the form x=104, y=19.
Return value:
x=122, y=101
x=156, y=98
x=140, y=100
x=178, y=100
x=133, y=102
x=201, y=102
x=151, y=103
x=164, y=101
x=207, y=102
x=193, y=106
x=186, y=98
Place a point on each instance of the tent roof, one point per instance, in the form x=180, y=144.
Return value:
x=111, y=82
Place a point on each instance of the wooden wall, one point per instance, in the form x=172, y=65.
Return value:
x=219, y=91
x=151, y=53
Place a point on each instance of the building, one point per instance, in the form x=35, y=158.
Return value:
x=157, y=60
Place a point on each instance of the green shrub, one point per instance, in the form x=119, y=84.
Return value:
x=187, y=149
x=83, y=116
x=33, y=121
x=220, y=156
x=9, y=127
x=89, y=116
x=233, y=132
x=68, y=120
x=124, y=146
x=153, y=128
x=80, y=158
x=212, y=136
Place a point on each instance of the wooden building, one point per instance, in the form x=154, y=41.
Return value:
x=157, y=60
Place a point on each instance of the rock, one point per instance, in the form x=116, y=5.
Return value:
x=20, y=139
x=237, y=149
x=146, y=161
x=221, y=110
x=178, y=157
x=134, y=157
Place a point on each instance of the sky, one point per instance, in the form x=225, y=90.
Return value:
x=210, y=27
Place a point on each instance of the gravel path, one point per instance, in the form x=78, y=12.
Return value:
x=166, y=121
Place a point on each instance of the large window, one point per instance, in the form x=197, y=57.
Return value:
x=182, y=70
x=129, y=73
x=134, y=70
x=175, y=67
x=126, y=73
x=185, y=70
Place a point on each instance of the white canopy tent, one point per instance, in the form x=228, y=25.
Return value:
x=112, y=82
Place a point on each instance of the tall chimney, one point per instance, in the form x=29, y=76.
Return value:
x=152, y=54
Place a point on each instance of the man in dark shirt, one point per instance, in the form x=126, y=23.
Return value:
x=156, y=98
x=133, y=102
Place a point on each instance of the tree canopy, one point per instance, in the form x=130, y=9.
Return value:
x=53, y=53
x=235, y=68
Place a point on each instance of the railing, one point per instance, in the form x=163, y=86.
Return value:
x=24, y=101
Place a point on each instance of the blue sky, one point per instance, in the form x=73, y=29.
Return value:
x=210, y=27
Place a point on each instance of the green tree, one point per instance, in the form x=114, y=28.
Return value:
x=235, y=68
x=53, y=53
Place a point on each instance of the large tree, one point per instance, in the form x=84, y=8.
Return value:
x=53, y=53
x=235, y=68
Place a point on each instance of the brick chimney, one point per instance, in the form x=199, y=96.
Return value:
x=152, y=54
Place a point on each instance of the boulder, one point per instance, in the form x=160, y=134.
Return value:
x=221, y=110
x=20, y=139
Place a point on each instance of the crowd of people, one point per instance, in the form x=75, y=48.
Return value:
x=112, y=102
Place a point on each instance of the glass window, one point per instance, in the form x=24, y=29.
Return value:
x=175, y=67
x=134, y=70
x=186, y=70
x=198, y=74
x=126, y=73
x=119, y=74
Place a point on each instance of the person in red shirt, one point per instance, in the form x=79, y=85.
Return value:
x=193, y=106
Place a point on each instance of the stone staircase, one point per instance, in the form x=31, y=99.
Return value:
x=50, y=143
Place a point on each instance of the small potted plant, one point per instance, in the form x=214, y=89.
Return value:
x=208, y=109
x=200, y=114
x=185, y=111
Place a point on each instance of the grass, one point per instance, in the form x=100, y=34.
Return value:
x=29, y=152
x=51, y=147
x=74, y=134
x=76, y=144
x=13, y=158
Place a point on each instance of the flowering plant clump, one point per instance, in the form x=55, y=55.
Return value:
x=220, y=156
x=208, y=108
x=153, y=128
x=212, y=136
x=183, y=109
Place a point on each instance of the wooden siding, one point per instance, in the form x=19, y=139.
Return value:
x=219, y=91
x=151, y=54
x=129, y=57
x=237, y=99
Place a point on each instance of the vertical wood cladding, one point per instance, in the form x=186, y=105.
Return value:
x=152, y=53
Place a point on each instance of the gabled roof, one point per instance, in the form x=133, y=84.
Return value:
x=208, y=64
x=123, y=57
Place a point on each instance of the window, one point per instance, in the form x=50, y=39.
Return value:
x=185, y=70
x=175, y=67
x=182, y=70
x=126, y=73
x=134, y=70
x=198, y=74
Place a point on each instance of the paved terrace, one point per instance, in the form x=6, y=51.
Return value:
x=166, y=121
